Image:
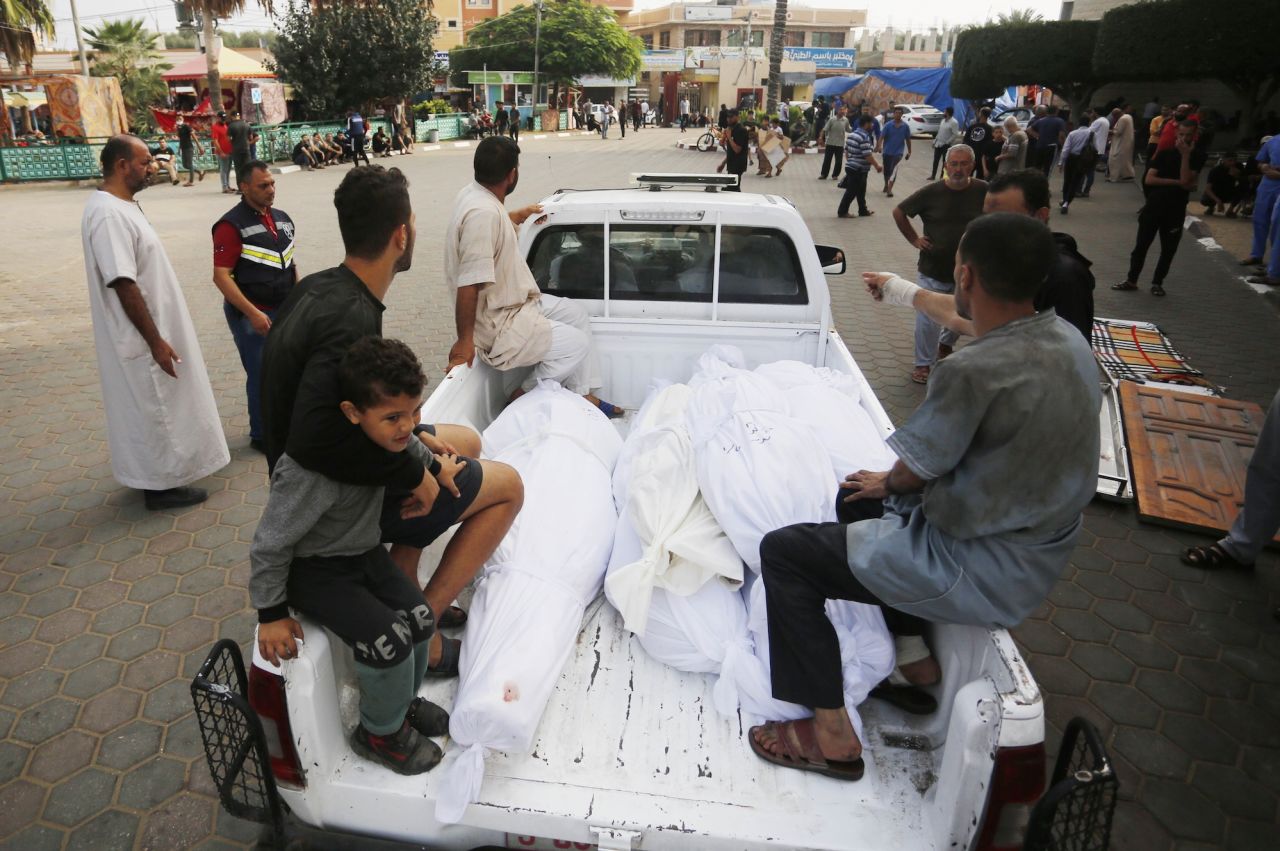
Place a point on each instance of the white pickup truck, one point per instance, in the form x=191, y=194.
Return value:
x=630, y=753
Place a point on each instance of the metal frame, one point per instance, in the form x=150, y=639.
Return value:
x=1077, y=811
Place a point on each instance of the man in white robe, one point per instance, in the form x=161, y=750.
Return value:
x=162, y=423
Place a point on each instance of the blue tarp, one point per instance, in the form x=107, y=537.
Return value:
x=933, y=84
x=832, y=86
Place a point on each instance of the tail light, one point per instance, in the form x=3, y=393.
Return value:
x=1016, y=784
x=267, y=697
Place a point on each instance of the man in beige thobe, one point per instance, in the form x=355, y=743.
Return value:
x=1120, y=160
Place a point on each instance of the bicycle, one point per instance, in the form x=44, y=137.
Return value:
x=709, y=141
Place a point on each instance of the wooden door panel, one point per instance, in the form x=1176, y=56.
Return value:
x=1189, y=454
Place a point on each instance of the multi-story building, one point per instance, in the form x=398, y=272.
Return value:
x=457, y=17
x=715, y=52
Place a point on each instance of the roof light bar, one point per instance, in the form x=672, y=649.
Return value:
x=662, y=215
x=657, y=181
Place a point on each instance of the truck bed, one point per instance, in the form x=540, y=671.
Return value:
x=630, y=744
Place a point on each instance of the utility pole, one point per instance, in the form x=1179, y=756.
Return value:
x=75, y=21
x=537, y=42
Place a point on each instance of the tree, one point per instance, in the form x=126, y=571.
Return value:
x=577, y=38
x=1191, y=39
x=1056, y=54
x=347, y=54
x=776, y=39
x=19, y=20
x=209, y=10
x=1019, y=17
x=126, y=51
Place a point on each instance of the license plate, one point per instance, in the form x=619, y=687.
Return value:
x=538, y=843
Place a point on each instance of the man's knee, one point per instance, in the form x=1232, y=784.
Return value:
x=776, y=549
x=503, y=483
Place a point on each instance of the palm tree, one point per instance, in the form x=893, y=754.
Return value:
x=1019, y=17
x=776, y=39
x=126, y=51
x=18, y=19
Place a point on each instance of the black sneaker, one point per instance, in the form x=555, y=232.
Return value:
x=405, y=751
x=427, y=718
x=174, y=498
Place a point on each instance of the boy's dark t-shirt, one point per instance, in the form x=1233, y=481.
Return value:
x=184, y=136
x=737, y=160
x=298, y=149
x=945, y=213
x=1050, y=128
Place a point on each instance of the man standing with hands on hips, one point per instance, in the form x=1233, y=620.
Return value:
x=253, y=268
x=945, y=208
x=162, y=422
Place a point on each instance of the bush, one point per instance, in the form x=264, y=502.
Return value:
x=428, y=108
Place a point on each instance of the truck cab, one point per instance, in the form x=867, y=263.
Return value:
x=630, y=753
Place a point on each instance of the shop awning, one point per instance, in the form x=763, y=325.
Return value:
x=231, y=66
x=21, y=99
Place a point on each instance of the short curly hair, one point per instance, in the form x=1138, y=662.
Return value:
x=375, y=368
x=372, y=202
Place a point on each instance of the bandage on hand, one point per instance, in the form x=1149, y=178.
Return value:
x=899, y=291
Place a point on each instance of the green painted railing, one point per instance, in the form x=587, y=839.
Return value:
x=79, y=161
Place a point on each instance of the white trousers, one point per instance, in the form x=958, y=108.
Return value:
x=571, y=360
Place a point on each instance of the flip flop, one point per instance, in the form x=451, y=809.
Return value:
x=427, y=718
x=1124, y=286
x=452, y=618
x=920, y=375
x=911, y=699
x=799, y=741
x=611, y=411
x=447, y=667
x=1212, y=557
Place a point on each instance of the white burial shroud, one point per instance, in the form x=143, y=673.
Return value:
x=656, y=491
x=531, y=595
x=758, y=468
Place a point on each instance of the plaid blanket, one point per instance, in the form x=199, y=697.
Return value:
x=1138, y=351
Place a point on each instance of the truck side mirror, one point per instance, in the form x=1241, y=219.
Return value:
x=831, y=258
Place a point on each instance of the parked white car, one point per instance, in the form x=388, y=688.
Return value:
x=1023, y=114
x=921, y=118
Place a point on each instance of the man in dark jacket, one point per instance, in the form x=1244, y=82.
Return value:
x=238, y=131
x=323, y=316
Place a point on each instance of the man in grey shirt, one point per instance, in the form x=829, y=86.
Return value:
x=832, y=137
x=975, y=521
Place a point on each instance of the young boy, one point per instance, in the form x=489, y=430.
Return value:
x=317, y=549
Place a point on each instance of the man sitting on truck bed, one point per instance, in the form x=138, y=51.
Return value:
x=499, y=311
x=317, y=548
x=975, y=521
x=325, y=313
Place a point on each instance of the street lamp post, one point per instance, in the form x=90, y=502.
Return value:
x=75, y=22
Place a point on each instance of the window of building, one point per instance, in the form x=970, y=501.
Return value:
x=793, y=38
x=451, y=24
x=735, y=38
x=702, y=38
x=827, y=39
x=664, y=39
x=479, y=4
x=647, y=41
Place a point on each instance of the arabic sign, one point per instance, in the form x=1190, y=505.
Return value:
x=708, y=13
x=442, y=58
x=824, y=58
x=694, y=56
x=662, y=60
x=506, y=78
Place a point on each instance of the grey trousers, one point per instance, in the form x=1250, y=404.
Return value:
x=1259, y=517
x=929, y=334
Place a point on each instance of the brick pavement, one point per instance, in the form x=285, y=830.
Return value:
x=106, y=609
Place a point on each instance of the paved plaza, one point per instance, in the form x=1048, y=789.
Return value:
x=106, y=610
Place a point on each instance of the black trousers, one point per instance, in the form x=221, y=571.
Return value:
x=831, y=153
x=1165, y=222
x=357, y=150
x=1073, y=175
x=939, y=156
x=1045, y=158
x=855, y=187
x=366, y=601
x=802, y=567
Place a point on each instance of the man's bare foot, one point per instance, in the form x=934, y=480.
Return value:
x=836, y=739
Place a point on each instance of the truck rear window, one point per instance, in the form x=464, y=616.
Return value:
x=668, y=262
